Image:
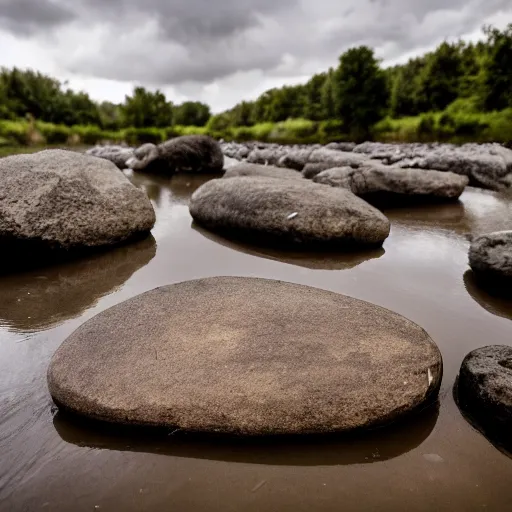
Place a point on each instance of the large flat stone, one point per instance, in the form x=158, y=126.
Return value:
x=246, y=356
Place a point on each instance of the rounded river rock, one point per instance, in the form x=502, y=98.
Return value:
x=288, y=212
x=246, y=356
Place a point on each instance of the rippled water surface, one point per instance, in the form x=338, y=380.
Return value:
x=434, y=461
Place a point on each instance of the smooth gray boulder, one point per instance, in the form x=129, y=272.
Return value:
x=287, y=212
x=490, y=257
x=118, y=155
x=246, y=356
x=296, y=159
x=337, y=158
x=267, y=156
x=189, y=153
x=268, y=171
x=394, y=185
x=484, y=387
x=341, y=146
x=230, y=162
x=311, y=170
x=62, y=200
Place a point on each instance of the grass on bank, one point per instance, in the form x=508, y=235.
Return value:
x=452, y=125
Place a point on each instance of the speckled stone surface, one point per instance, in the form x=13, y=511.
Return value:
x=485, y=386
x=246, y=356
x=66, y=200
x=490, y=255
x=288, y=212
x=267, y=171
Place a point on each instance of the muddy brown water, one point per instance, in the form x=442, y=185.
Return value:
x=433, y=461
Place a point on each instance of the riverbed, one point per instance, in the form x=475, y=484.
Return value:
x=433, y=461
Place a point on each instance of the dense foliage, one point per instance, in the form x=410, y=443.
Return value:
x=459, y=90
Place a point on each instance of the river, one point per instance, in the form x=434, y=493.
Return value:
x=433, y=461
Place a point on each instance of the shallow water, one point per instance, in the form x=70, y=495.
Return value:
x=433, y=461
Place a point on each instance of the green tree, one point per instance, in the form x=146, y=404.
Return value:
x=146, y=109
x=360, y=91
x=327, y=96
x=497, y=72
x=313, y=97
x=192, y=113
x=405, y=89
x=442, y=76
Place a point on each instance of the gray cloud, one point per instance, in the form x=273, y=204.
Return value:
x=194, y=45
x=29, y=16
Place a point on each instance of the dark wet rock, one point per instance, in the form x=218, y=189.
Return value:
x=311, y=170
x=287, y=368
x=65, y=201
x=190, y=153
x=41, y=299
x=392, y=185
x=287, y=212
x=118, y=155
x=490, y=257
x=484, y=387
x=267, y=171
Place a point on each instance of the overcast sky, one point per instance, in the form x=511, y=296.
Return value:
x=222, y=51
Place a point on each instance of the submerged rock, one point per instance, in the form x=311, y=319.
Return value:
x=287, y=211
x=61, y=200
x=390, y=185
x=268, y=171
x=485, y=387
x=490, y=256
x=190, y=153
x=286, y=367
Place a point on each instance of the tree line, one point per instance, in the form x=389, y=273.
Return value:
x=356, y=94
x=30, y=93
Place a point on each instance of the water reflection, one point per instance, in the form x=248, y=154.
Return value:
x=373, y=446
x=181, y=186
x=315, y=260
x=496, y=301
x=40, y=299
x=448, y=216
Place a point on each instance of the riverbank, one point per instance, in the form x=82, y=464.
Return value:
x=448, y=126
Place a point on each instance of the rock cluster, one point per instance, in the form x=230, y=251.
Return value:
x=485, y=165
x=246, y=356
x=118, y=155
